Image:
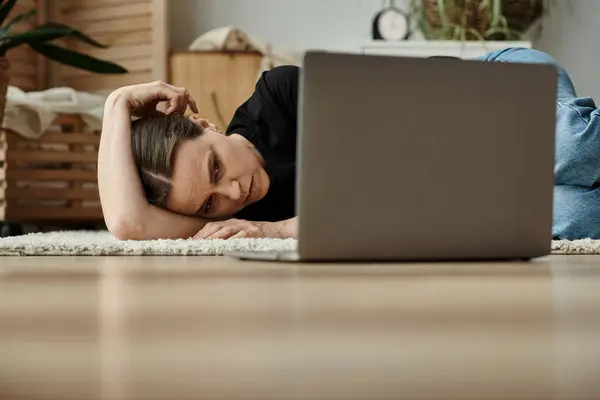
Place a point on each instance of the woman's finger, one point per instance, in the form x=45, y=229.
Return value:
x=241, y=234
x=225, y=233
x=173, y=105
x=193, y=105
x=182, y=103
x=208, y=230
x=185, y=99
x=249, y=233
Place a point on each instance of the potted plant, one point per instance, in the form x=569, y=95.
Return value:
x=39, y=39
x=489, y=20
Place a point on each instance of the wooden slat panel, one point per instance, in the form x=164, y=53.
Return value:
x=142, y=36
x=56, y=194
x=118, y=53
x=51, y=156
x=133, y=66
x=22, y=213
x=111, y=12
x=42, y=62
x=23, y=54
x=92, y=83
x=53, y=137
x=26, y=4
x=121, y=25
x=51, y=175
x=24, y=26
x=24, y=82
x=71, y=5
x=24, y=61
x=160, y=45
x=68, y=119
x=76, y=185
x=23, y=68
x=135, y=32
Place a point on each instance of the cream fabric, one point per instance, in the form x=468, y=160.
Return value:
x=232, y=39
x=30, y=114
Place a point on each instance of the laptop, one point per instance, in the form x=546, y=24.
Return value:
x=413, y=159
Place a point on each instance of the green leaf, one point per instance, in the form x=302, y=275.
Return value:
x=36, y=35
x=5, y=9
x=475, y=33
x=442, y=11
x=20, y=18
x=76, y=59
x=75, y=34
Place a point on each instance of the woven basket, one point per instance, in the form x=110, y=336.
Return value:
x=4, y=79
x=520, y=15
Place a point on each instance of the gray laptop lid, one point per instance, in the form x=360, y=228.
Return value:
x=403, y=158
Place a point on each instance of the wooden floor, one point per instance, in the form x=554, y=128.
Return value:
x=216, y=328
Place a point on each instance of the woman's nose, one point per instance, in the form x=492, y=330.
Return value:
x=232, y=190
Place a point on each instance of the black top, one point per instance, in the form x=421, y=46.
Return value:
x=268, y=120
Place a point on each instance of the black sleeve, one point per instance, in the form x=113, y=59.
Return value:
x=268, y=118
x=282, y=83
x=277, y=90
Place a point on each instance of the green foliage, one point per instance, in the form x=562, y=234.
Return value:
x=454, y=20
x=39, y=37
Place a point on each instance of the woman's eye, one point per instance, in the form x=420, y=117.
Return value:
x=208, y=203
x=216, y=168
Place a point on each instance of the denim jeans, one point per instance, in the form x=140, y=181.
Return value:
x=577, y=157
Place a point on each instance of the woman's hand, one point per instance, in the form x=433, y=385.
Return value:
x=143, y=99
x=237, y=228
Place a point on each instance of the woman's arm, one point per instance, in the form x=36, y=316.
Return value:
x=127, y=213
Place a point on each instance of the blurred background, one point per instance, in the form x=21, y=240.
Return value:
x=568, y=28
x=52, y=98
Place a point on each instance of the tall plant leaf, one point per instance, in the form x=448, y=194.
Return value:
x=36, y=35
x=496, y=11
x=75, y=34
x=442, y=11
x=5, y=9
x=76, y=59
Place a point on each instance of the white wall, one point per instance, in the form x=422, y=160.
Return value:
x=570, y=33
x=289, y=24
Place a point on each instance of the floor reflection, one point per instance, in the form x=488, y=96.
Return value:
x=153, y=328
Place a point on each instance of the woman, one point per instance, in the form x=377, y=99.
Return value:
x=170, y=176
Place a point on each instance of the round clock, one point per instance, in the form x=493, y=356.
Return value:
x=391, y=24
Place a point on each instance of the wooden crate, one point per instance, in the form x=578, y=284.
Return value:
x=52, y=178
x=220, y=82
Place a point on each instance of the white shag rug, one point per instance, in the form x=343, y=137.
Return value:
x=90, y=243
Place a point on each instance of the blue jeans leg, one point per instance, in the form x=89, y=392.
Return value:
x=566, y=90
x=577, y=158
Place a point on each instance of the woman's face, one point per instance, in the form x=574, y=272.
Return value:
x=215, y=176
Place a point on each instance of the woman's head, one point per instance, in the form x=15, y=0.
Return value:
x=187, y=166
